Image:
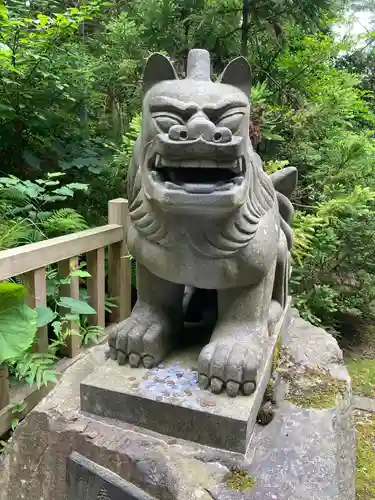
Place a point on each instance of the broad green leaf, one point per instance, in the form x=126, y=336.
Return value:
x=44, y=316
x=76, y=305
x=95, y=169
x=17, y=328
x=5, y=107
x=55, y=174
x=52, y=199
x=80, y=273
x=30, y=159
x=77, y=185
x=71, y=317
x=64, y=191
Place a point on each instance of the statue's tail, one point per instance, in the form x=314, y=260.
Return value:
x=284, y=182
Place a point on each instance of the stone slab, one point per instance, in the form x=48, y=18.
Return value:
x=168, y=400
x=363, y=403
x=89, y=481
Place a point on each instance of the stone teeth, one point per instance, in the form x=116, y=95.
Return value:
x=155, y=176
x=237, y=166
x=158, y=161
x=171, y=185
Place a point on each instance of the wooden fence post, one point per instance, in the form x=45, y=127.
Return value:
x=96, y=286
x=119, y=263
x=37, y=288
x=73, y=342
x=4, y=387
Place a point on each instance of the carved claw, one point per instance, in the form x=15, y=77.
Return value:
x=121, y=357
x=142, y=339
x=231, y=365
x=248, y=388
x=203, y=381
x=232, y=388
x=134, y=360
x=148, y=361
x=216, y=385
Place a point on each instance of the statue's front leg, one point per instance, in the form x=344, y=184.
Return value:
x=232, y=358
x=146, y=336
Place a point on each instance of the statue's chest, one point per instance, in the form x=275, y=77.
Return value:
x=194, y=258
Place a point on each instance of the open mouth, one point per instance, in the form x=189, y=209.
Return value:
x=194, y=176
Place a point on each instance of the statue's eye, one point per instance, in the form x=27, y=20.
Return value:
x=165, y=121
x=231, y=120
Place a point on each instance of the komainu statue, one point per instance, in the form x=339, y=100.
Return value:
x=204, y=214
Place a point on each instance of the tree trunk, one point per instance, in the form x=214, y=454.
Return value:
x=245, y=28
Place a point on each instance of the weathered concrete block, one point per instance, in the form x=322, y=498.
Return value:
x=306, y=453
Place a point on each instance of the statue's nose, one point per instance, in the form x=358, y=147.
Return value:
x=200, y=127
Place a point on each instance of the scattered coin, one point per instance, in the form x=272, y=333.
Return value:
x=207, y=402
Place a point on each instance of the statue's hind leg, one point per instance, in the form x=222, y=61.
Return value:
x=146, y=336
x=232, y=358
x=280, y=286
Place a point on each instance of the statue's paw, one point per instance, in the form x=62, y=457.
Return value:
x=229, y=365
x=139, y=341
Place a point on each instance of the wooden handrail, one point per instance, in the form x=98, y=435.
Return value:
x=20, y=260
x=30, y=261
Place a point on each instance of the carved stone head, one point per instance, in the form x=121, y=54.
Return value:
x=195, y=146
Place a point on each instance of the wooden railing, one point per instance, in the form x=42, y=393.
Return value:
x=30, y=261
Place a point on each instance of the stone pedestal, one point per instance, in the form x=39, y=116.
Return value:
x=168, y=400
x=307, y=452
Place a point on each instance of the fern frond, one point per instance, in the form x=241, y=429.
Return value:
x=13, y=233
x=36, y=368
x=63, y=221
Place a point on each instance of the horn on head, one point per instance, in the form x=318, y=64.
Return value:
x=199, y=65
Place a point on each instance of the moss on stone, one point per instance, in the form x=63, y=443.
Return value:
x=275, y=365
x=362, y=372
x=314, y=389
x=365, y=475
x=238, y=479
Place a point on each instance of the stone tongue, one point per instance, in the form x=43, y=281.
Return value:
x=203, y=164
x=199, y=188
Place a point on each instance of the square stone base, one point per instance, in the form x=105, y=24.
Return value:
x=168, y=400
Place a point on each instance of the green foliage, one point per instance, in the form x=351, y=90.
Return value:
x=362, y=373
x=365, y=473
x=28, y=212
x=36, y=368
x=17, y=321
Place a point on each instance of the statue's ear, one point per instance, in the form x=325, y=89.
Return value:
x=158, y=68
x=285, y=180
x=238, y=74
